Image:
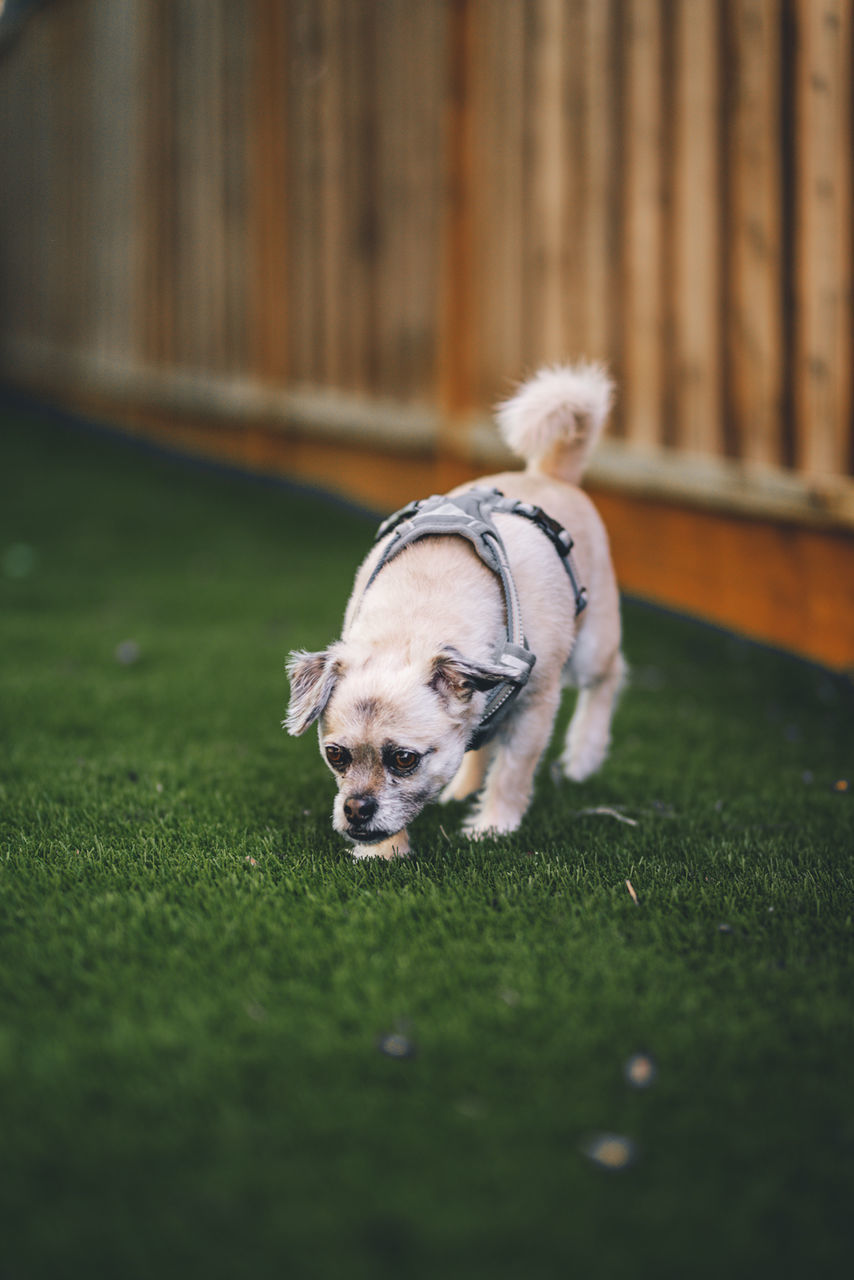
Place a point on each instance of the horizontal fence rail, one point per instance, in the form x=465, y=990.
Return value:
x=371, y=216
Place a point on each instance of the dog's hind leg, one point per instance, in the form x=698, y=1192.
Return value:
x=589, y=733
x=469, y=777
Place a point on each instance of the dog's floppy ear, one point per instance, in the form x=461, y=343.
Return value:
x=313, y=677
x=455, y=675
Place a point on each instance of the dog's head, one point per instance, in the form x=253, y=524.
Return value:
x=393, y=728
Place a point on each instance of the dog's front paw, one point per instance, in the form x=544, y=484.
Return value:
x=483, y=826
x=578, y=764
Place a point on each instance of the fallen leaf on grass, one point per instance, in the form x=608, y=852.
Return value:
x=396, y=1045
x=610, y=1151
x=640, y=1071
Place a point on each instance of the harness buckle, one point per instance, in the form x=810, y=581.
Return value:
x=559, y=536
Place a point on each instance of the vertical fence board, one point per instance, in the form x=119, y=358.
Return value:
x=574, y=195
x=415, y=69
x=497, y=193
x=269, y=194
x=642, y=127
x=304, y=158
x=547, y=280
x=156, y=255
x=754, y=331
x=396, y=80
x=696, y=216
x=824, y=279
x=332, y=138
x=457, y=302
x=209, y=193
x=24, y=208
x=192, y=310
x=365, y=217
x=235, y=196
x=71, y=72
x=597, y=186
x=112, y=38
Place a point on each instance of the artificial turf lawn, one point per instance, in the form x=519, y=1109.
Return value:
x=194, y=975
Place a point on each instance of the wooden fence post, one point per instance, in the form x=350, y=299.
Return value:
x=456, y=305
x=696, y=216
x=825, y=335
x=754, y=327
x=642, y=231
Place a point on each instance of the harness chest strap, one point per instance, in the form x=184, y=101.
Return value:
x=469, y=515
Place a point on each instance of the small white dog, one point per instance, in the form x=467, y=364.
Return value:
x=466, y=620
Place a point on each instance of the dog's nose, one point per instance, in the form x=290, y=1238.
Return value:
x=359, y=810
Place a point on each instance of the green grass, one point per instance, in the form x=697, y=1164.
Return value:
x=194, y=975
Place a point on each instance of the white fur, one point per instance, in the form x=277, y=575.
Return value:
x=416, y=656
x=555, y=418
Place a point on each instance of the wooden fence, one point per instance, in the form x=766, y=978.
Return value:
x=370, y=216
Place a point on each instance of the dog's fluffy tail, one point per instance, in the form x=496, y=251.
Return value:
x=555, y=418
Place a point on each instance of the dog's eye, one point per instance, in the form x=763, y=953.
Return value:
x=337, y=756
x=403, y=761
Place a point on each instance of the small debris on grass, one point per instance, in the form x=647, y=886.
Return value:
x=607, y=812
x=611, y=1151
x=631, y=890
x=127, y=653
x=252, y=862
x=640, y=1071
x=444, y=833
x=724, y=928
x=841, y=785
x=396, y=1045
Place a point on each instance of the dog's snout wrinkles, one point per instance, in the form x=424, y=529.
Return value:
x=360, y=809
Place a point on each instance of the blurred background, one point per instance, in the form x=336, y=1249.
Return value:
x=321, y=238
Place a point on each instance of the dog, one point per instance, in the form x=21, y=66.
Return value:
x=406, y=698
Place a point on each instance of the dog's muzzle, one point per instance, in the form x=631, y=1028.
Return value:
x=359, y=811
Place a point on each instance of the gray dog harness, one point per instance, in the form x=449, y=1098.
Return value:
x=470, y=515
